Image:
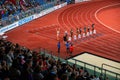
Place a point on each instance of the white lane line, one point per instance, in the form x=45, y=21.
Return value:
x=101, y=21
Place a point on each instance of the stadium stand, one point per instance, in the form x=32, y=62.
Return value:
x=11, y=10
x=20, y=63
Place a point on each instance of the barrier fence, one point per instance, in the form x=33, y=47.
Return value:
x=49, y=53
x=95, y=70
x=91, y=68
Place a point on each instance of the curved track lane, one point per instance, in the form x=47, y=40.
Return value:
x=42, y=32
x=101, y=45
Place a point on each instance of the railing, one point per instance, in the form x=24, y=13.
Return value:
x=20, y=15
x=94, y=70
x=98, y=70
x=49, y=53
x=102, y=68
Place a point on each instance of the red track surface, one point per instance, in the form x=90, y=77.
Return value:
x=110, y=16
x=106, y=44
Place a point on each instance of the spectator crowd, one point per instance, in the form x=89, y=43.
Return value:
x=13, y=10
x=14, y=7
x=20, y=63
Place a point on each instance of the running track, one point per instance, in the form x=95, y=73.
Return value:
x=41, y=32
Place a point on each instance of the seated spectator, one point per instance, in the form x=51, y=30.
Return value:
x=4, y=70
x=27, y=71
x=20, y=63
x=38, y=73
x=15, y=71
x=64, y=77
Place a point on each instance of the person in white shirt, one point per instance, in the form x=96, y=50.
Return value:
x=75, y=37
x=69, y=39
x=58, y=33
